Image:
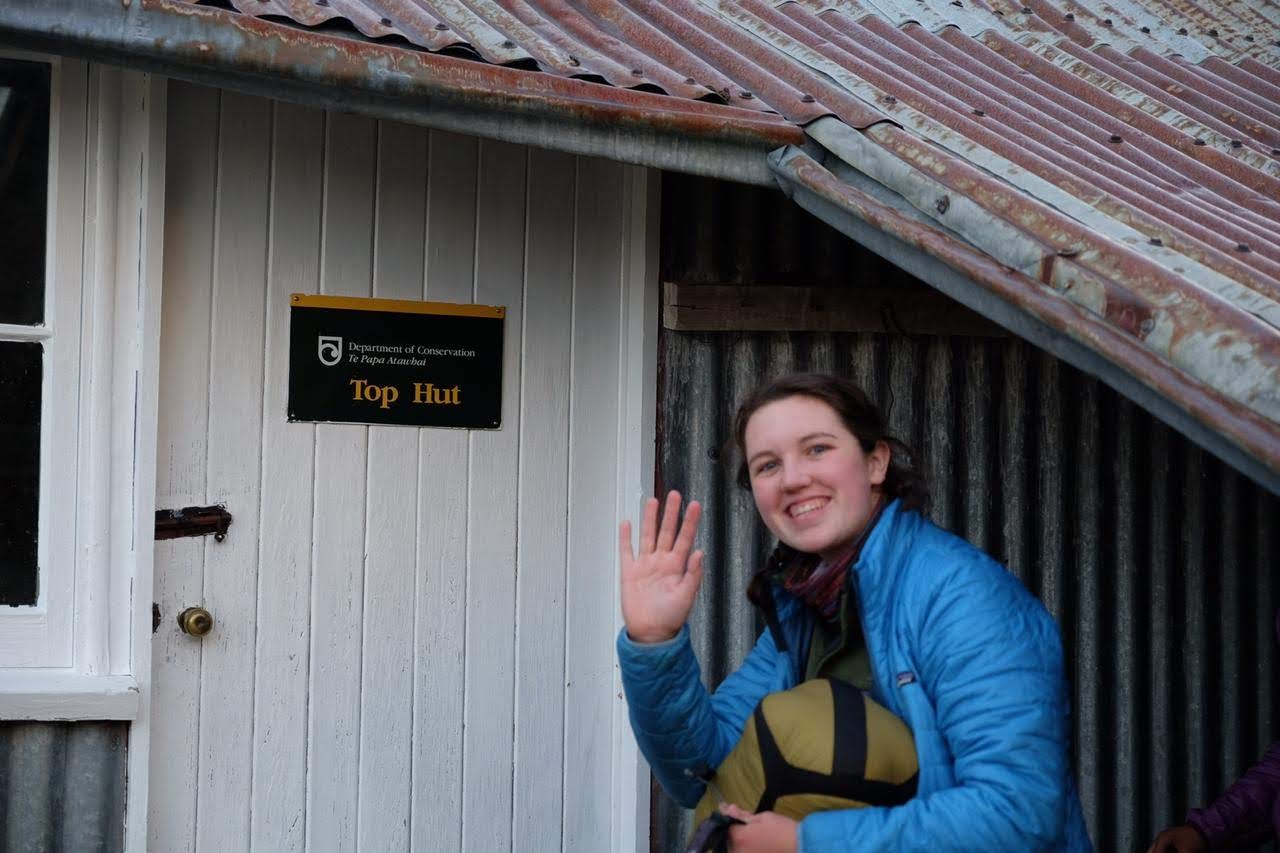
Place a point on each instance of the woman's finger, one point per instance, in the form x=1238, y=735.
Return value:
x=688, y=528
x=625, y=555
x=670, y=515
x=693, y=572
x=648, y=525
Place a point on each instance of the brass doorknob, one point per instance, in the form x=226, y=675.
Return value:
x=195, y=621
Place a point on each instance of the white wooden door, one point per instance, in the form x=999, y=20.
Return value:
x=413, y=628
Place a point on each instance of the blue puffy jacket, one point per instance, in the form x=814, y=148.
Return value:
x=960, y=650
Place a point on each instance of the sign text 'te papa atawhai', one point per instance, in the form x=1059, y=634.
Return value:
x=390, y=361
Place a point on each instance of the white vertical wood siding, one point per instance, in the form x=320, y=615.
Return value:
x=414, y=628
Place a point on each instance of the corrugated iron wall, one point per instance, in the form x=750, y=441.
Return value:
x=62, y=787
x=1157, y=560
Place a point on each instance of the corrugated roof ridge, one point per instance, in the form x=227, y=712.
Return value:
x=412, y=22
x=1207, y=333
x=1219, y=32
x=1092, y=183
x=1212, y=85
x=1228, y=36
x=1157, y=213
x=1214, y=135
x=617, y=18
x=482, y=35
x=768, y=72
x=1197, y=90
x=1195, y=107
x=1262, y=72
x=1073, y=214
x=547, y=53
x=870, y=93
x=1011, y=175
x=1099, y=72
x=1237, y=182
x=587, y=44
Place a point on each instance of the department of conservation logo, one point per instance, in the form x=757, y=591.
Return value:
x=329, y=349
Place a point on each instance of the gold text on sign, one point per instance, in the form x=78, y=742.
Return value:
x=424, y=393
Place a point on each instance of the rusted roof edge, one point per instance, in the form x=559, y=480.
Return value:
x=216, y=47
x=866, y=212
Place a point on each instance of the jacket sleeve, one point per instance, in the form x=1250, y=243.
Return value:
x=990, y=666
x=1242, y=815
x=676, y=723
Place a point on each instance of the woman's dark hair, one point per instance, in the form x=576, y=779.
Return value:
x=860, y=417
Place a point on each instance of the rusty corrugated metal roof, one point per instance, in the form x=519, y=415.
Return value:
x=1117, y=162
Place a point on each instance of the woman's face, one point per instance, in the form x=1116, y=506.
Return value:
x=812, y=483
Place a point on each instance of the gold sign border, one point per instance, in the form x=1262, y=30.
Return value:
x=401, y=306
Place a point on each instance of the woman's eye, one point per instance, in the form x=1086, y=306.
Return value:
x=819, y=449
x=766, y=467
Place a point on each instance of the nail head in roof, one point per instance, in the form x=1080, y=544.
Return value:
x=1070, y=17
x=978, y=112
x=1106, y=22
x=957, y=3
x=1201, y=142
x=573, y=60
x=1026, y=10
x=386, y=22
x=1156, y=241
x=1213, y=34
x=1275, y=152
x=943, y=204
x=1242, y=247
x=808, y=99
x=322, y=2
x=689, y=81
x=1182, y=31
x=1115, y=137
x=1145, y=29
x=1236, y=143
x=746, y=96
x=636, y=72
x=508, y=44
x=1248, y=38
x=890, y=99
x=442, y=26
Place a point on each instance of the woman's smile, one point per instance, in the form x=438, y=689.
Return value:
x=813, y=483
x=807, y=507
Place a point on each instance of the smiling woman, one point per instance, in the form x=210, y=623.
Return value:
x=861, y=590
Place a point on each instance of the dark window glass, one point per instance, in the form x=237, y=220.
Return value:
x=24, y=184
x=20, y=367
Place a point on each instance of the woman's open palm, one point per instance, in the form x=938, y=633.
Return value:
x=660, y=582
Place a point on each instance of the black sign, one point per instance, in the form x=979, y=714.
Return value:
x=387, y=361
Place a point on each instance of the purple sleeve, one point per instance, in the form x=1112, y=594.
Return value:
x=1242, y=815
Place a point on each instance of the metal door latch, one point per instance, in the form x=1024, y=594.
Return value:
x=193, y=521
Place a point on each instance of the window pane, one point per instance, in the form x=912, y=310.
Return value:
x=24, y=185
x=20, y=368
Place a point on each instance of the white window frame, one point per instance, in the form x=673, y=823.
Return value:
x=83, y=651
x=40, y=635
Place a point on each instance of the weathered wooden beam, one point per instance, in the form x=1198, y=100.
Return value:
x=767, y=308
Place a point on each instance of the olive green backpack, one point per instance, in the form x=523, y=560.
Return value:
x=820, y=746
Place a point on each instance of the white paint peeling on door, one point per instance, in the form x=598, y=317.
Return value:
x=414, y=627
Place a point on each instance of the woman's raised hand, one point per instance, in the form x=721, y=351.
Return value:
x=659, y=583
